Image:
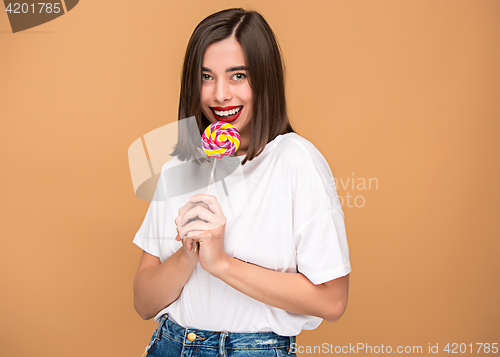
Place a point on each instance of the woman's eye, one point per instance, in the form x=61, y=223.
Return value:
x=239, y=76
x=205, y=77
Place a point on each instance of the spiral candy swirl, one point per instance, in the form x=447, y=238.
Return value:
x=220, y=139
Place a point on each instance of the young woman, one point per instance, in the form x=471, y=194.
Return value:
x=273, y=258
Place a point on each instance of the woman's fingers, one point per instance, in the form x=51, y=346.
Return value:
x=190, y=241
x=194, y=226
x=195, y=235
x=201, y=214
x=189, y=206
x=197, y=212
x=209, y=200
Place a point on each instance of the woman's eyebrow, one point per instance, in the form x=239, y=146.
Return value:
x=232, y=69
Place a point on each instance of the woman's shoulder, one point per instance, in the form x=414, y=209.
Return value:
x=308, y=170
x=296, y=148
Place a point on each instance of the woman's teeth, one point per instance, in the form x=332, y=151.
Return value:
x=227, y=113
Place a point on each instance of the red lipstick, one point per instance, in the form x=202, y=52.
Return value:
x=226, y=119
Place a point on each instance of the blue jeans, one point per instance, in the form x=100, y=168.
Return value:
x=172, y=340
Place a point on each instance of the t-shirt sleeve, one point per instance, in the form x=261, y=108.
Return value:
x=157, y=233
x=319, y=228
x=322, y=250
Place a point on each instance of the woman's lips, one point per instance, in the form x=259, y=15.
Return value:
x=226, y=119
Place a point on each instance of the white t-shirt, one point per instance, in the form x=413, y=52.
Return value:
x=283, y=213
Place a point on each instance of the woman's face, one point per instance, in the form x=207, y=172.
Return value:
x=226, y=94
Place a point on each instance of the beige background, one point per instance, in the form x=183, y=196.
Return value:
x=405, y=92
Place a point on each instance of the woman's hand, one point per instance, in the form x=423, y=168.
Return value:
x=201, y=220
x=187, y=247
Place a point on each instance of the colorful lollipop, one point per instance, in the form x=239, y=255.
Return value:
x=218, y=140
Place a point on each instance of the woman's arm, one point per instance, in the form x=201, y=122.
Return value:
x=287, y=291
x=157, y=285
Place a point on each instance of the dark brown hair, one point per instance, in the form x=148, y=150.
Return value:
x=265, y=72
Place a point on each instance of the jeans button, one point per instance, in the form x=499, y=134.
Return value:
x=191, y=336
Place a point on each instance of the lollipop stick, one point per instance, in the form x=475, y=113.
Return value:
x=213, y=162
x=227, y=197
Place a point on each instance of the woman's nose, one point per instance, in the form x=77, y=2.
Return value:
x=222, y=92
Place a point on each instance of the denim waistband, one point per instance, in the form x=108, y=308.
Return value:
x=222, y=339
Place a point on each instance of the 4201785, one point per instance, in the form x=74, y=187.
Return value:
x=471, y=348
x=38, y=8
